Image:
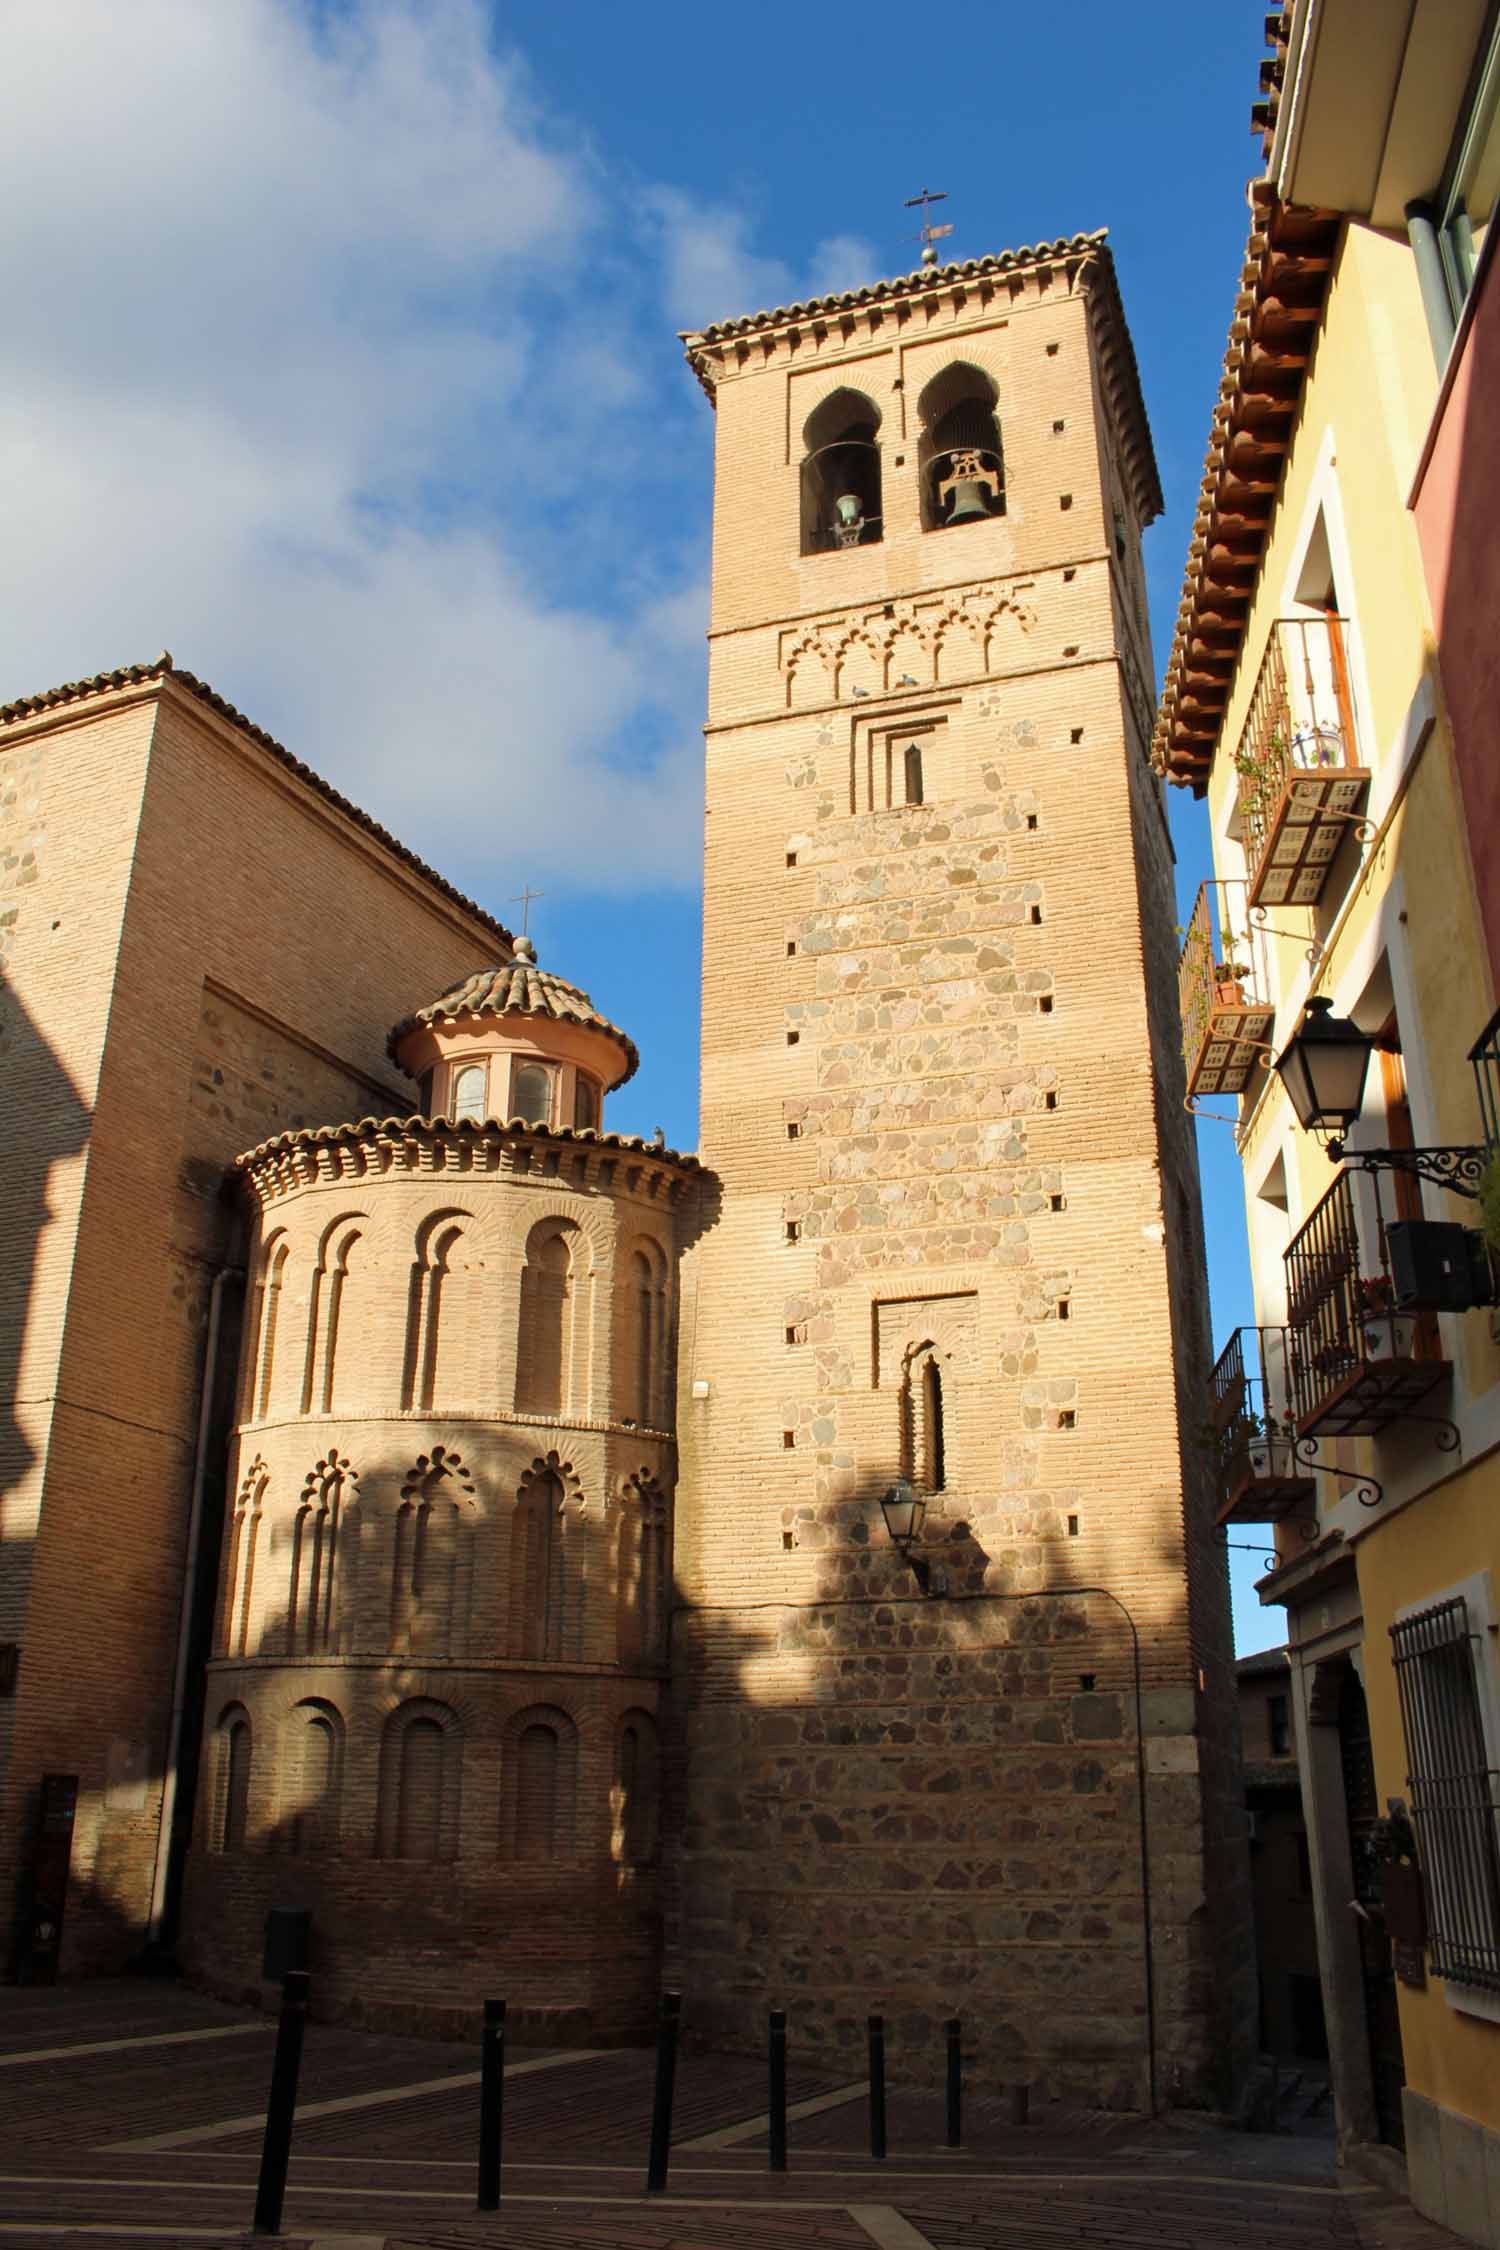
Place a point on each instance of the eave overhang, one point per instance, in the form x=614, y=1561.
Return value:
x=1277, y=314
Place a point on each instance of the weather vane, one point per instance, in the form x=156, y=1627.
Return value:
x=929, y=234
x=523, y=899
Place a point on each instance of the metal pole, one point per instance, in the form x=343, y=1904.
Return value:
x=491, y=2103
x=955, y=2083
x=778, y=2090
x=1427, y=256
x=877, y=2085
x=661, y=2107
x=281, y=2104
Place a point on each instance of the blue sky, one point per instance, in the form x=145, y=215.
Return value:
x=342, y=361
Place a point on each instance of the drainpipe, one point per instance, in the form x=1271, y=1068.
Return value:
x=1421, y=232
x=163, y=1880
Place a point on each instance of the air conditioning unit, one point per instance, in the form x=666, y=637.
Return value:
x=1438, y=1267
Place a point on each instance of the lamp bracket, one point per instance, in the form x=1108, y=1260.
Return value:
x=1460, y=1170
x=1369, y=1491
x=1448, y=1438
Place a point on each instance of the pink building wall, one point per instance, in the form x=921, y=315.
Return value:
x=1457, y=506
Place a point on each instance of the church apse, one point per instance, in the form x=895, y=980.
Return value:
x=433, y=1705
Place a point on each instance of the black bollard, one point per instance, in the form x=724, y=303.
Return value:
x=1020, y=2104
x=778, y=2090
x=954, y=2029
x=661, y=2107
x=877, y=2085
x=281, y=2103
x=491, y=2103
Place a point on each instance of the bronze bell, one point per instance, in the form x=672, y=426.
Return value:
x=969, y=495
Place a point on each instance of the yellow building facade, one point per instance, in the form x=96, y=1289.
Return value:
x=1305, y=699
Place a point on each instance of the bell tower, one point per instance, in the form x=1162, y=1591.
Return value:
x=988, y=1771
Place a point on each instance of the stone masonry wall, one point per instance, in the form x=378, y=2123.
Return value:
x=936, y=1089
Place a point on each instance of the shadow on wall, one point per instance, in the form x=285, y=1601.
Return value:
x=46, y=1123
x=461, y=1788
x=921, y=1807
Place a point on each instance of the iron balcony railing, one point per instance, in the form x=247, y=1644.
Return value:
x=1356, y=1363
x=1485, y=1057
x=1301, y=782
x=1224, y=993
x=1260, y=1474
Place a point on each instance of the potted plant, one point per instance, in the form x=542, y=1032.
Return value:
x=1229, y=985
x=1387, y=1334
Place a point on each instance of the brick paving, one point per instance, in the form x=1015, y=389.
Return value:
x=399, y=2172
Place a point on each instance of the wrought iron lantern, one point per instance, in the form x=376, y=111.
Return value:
x=904, y=1509
x=1323, y=1067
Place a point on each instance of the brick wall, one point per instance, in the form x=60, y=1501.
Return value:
x=184, y=907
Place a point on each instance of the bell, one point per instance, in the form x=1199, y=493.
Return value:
x=968, y=500
x=848, y=519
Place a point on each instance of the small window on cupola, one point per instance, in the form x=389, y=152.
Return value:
x=531, y=1094
x=469, y=1094
x=585, y=1103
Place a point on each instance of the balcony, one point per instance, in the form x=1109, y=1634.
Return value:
x=1356, y=1364
x=1300, y=780
x=1224, y=991
x=1254, y=1445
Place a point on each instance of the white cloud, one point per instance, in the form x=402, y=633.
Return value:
x=713, y=274
x=280, y=392
x=323, y=367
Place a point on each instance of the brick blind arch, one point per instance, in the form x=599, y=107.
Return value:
x=544, y=1346
x=637, y=1791
x=312, y=1765
x=231, y=1812
x=417, y=1816
x=539, y=1785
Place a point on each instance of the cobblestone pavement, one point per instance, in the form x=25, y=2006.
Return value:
x=132, y=2111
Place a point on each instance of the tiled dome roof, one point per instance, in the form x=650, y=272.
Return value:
x=518, y=988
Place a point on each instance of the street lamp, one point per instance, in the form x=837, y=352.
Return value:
x=1323, y=1067
x=904, y=1510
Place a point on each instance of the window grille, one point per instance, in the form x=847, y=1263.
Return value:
x=1455, y=1792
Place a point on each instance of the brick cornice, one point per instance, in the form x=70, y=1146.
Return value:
x=383, y=1147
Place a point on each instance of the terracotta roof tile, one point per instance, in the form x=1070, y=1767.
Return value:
x=518, y=988
x=1277, y=310
x=463, y=1129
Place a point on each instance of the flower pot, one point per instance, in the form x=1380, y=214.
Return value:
x=1388, y=1335
x=1228, y=992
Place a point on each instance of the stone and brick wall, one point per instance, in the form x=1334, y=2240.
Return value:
x=941, y=1089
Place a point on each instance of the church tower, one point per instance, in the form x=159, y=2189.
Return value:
x=990, y=1771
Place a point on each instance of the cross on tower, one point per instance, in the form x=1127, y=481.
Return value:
x=523, y=899
x=929, y=234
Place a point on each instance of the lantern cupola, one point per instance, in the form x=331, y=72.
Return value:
x=514, y=1042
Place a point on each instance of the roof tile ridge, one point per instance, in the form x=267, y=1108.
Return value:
x=461, y=1128
x=162, y=667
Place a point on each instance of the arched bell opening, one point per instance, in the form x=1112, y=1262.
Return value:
x=959, y=458
x=841, y=474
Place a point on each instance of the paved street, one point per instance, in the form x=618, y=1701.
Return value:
x=133, y=2110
